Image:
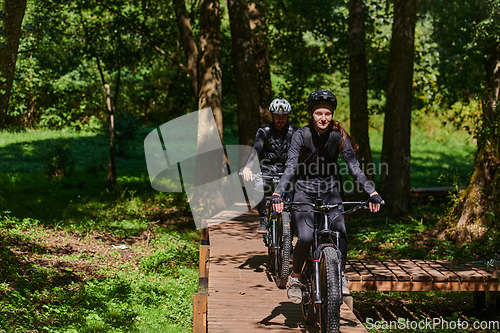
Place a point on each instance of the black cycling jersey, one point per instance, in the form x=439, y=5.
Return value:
x=313, y=159
x=271, y=146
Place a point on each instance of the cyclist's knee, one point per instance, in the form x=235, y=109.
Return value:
x=305, y=240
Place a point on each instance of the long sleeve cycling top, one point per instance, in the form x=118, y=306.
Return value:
x=312, y=158
x=271, y=147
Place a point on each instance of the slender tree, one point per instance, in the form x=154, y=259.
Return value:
x=358, y=85
x=12, y=13
x=395, y=183
x=210, y=76
x=260, y=43
x=110, y=108
x=245, y=72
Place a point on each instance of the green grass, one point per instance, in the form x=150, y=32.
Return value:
x=440, y=154
x=150, y=294
x=47, y=290
x=383, y=236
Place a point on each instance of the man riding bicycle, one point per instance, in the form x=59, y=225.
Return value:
x=271, y=145
x=312, y=159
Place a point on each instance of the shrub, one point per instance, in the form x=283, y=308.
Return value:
x=167, y=261
x=59, y=161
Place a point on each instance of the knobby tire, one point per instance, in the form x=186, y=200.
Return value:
x=330, y=291
x=282, y=256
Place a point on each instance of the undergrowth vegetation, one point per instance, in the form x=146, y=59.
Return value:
x=78, y=256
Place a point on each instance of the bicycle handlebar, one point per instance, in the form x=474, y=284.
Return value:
x=361, y=204
x=259, y=175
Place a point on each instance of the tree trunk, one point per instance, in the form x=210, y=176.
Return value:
x=260, y=46
x=111, y=126
x=478, y=207
x=245, y=73
x=190, y=49
x=395, y=183
x=12, y=19
x=358, y=86
x=112, y=177
x=210, y=74
x=209, y=198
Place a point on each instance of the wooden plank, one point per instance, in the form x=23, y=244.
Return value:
x=480, y=270
x=205, y=233
x=348, y=300
x=400, y=274
x=449, y=275
x=379, y=270
x=493, y=286
x=351, y=272
x=200, y=312
x=361, y=270
x=402, y=286
x=416, y=273
x=466, y=274
x=204, y=257
x=437, y=276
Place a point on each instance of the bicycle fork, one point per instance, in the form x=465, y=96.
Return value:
x=317, y=260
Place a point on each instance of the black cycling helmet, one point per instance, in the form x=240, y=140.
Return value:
x=280, y=106
x=322, y=96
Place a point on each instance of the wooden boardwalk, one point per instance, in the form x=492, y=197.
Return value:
x=420, y=275
x=242, y=296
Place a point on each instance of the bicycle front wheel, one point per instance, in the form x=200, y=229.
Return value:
x=282, y=255
x=330, y=291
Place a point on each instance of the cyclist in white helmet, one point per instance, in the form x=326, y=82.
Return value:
x=271, y=145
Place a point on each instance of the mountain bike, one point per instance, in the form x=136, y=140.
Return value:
x=278, y=238
x=321, y=275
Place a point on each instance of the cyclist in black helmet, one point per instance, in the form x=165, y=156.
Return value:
x=312, y=158
x=271, y=145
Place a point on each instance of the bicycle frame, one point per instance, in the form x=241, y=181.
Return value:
x=321, y=231
x=318, y=245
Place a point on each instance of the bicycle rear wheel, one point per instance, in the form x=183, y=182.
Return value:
x=330, y=291
x=282, y=254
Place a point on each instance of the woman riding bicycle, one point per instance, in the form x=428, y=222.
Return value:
x=312, y=158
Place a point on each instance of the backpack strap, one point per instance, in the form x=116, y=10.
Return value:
x=290, y=133
x=337, y=167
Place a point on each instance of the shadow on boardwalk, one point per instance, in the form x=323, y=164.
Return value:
x=243, y=296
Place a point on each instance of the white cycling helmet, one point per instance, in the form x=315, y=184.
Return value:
x=280, y=106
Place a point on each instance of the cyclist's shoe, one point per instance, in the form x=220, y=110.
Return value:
x=262, y=229
x=294, y=291
x=345, y=286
